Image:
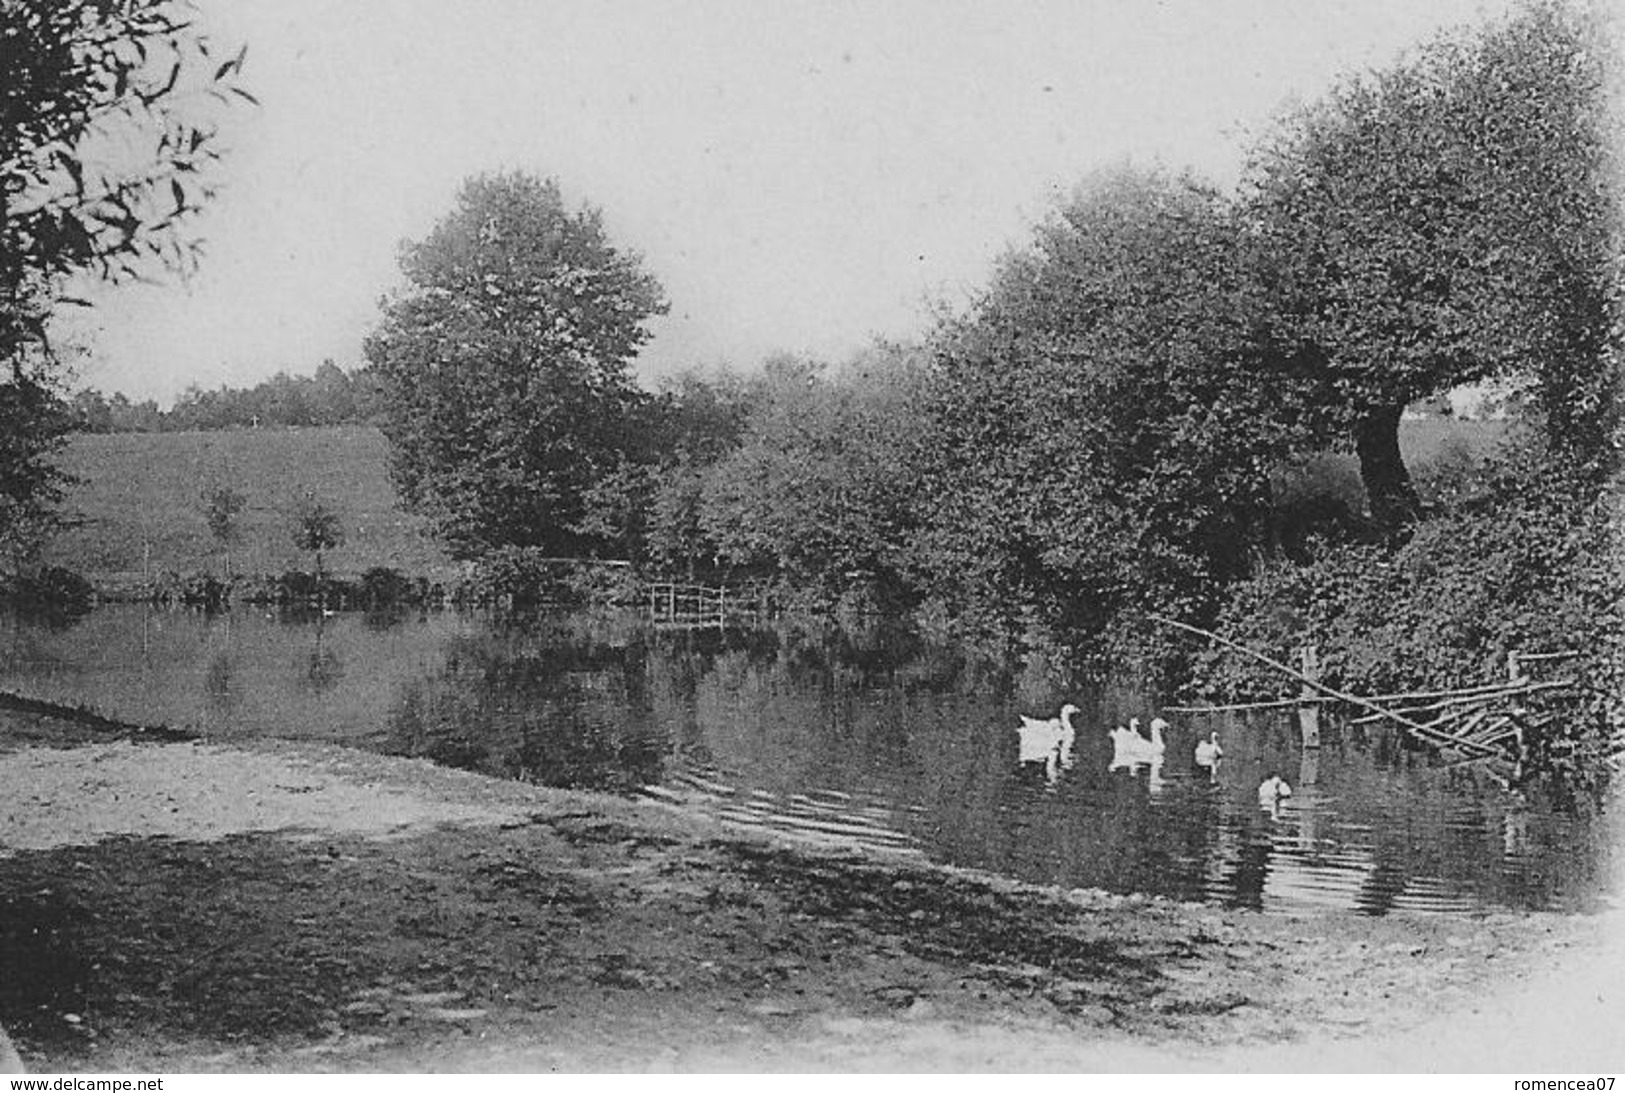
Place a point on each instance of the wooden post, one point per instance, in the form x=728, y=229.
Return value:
x=1515, y=673
x=1309, y=712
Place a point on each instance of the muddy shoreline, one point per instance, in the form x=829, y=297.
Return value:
x=179, y=907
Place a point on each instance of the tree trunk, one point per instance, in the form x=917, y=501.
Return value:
x=1388, y=487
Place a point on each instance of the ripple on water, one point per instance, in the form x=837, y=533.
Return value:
x=896, y=747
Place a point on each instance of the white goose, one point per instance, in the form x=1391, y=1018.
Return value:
x=1042, y=739
x=1129, y=745
x=1272, y=791
x=1208, y=751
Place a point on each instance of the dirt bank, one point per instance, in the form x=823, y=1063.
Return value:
x=185, y=907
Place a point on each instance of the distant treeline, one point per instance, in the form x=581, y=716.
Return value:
x=332, y=396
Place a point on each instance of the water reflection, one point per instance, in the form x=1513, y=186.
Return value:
x=872, y=738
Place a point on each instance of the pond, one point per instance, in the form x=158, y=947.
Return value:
x=872, y=739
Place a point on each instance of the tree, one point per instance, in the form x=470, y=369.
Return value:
x=33, y=423
x=316, y=528
x=1103, y=422
x=103, y=161
x=221, y=506
x=506, y=361
x=1440, y=223
x=821, y=488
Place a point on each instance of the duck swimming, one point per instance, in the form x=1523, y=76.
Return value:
x=1272, y=791
x=1129, y=746
x=1041, y=739
x=1208, y=751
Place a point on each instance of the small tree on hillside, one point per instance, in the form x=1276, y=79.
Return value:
x=316, y=528
x=221, y=507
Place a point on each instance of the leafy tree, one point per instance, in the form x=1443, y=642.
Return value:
x=33, y=423
x=1440, y=223
x=1102, y=424
x=821, y=487
x=316, y=528
x=103, y=160
x=703, y=418
x=615, y=509
x=506, y=359
x=221, y=506
x=677, y=539
x=700, y=421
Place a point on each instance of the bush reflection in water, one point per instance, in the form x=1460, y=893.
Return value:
x=873, y=737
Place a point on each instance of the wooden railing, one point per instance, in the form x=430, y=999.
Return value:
x=696, y=605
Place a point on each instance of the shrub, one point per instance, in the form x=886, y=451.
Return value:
x=383, y=586
x=1521, y=561
x=51, y=591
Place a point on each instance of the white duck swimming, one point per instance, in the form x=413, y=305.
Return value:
x=1158, y=727
x=1042, y=739
x=1129, y=745
x=1272, y=791
x=1208, y=751
x=1123, y=740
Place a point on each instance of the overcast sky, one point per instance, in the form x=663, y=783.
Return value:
x=800, y=176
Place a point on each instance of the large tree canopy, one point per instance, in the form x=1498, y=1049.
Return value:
x=1102, y=425
x=506, y=361
x=105, y=145
x=1443, y=222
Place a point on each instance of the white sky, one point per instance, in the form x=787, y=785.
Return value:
x=799, y=176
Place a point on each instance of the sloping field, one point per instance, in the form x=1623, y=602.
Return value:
x=140, y=509
x=1423, y=441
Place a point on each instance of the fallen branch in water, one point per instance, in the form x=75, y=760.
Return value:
x=1445, y=698
x=1341, y=696
x=1423, y=731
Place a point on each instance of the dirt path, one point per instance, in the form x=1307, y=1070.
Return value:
x=178, y=907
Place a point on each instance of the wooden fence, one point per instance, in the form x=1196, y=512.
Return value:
x=698, y=606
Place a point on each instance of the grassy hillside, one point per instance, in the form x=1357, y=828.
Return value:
x=140, y=511
x=1422, y=441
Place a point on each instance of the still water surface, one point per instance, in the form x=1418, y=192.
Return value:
x=872, y=739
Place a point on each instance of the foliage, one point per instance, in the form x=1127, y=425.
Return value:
x=506, y=362
x=221, y=507
x=700, y=420
x=1520, y=560
x=1440, y=223
x=615, y=510
x=102, y=163
x=1101, y=426
x=821, y=488
x=33, y=428
x=332, y=396
x=103, y=155
x=51, y=592
x=522, y=578
x=316, y=528
x=677, y=541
